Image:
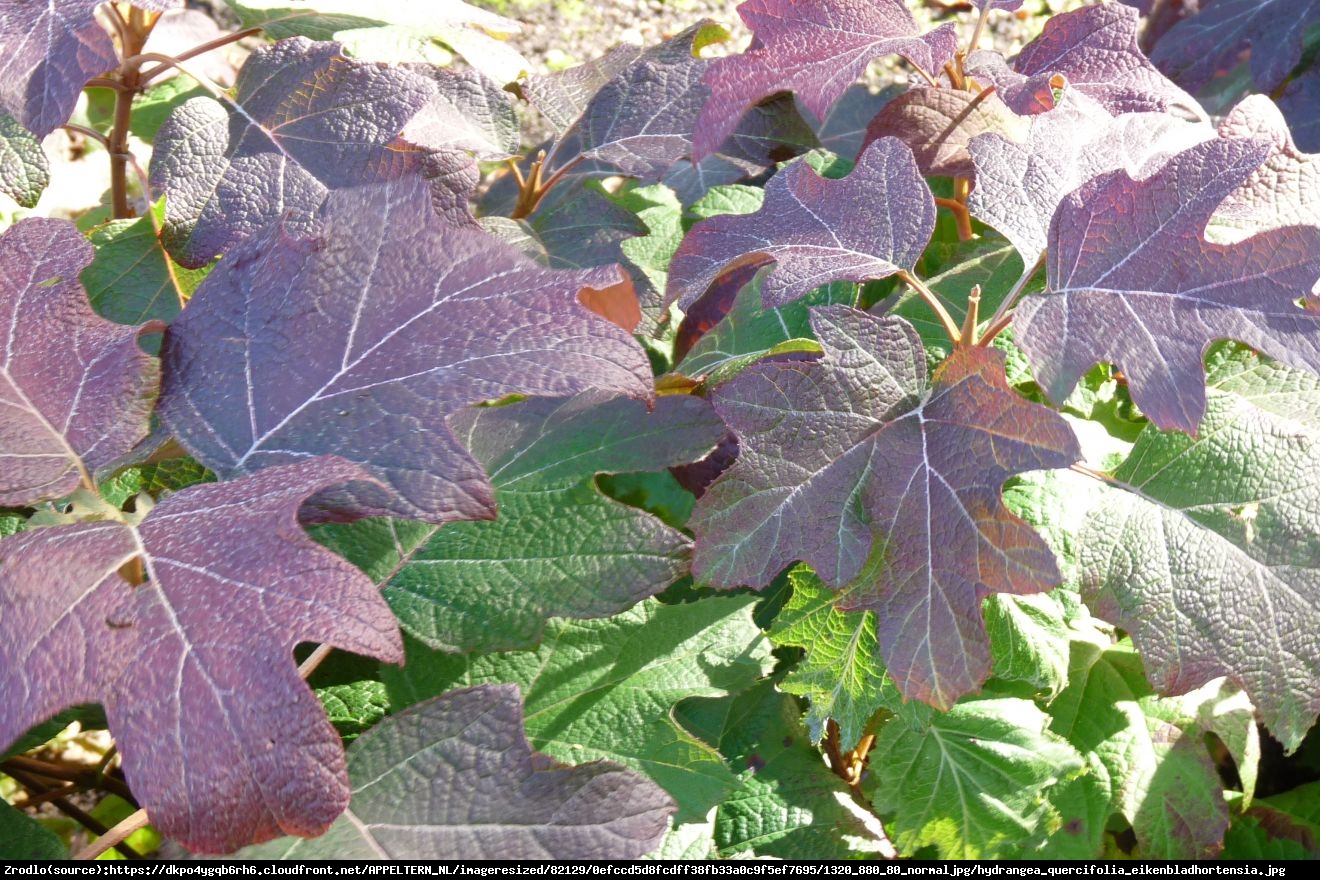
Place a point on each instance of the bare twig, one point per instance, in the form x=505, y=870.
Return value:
x=114, y=837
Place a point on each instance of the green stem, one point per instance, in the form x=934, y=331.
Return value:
x=950, y=327
x=1003, y=315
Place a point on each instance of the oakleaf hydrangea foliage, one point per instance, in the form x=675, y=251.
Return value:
x=757, y=445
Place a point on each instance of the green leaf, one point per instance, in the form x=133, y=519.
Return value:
x=1249, y=838
x=24, y=169
x=989, y=262
x=1028, y=640
x=22, y=838
x=748, y=333
x=975, y=782
x=841, y=675
x=607, y=688
x=399, y=27
x=732, y=198
x=1284, y=823
x=559, y=548
x=788, y=804
x=354, y=708
x=649, y=254
x=1209, y=553
x=157, y=478
x=1162, y=779
x=131, y=279
x=90, y=716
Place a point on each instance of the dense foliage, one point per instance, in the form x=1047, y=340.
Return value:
x=765, y=465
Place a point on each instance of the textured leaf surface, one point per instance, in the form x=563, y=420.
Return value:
x=22, y=838
x=859, y=455
x=61, y=417
x=24, y=168
x=871, y=224
x=303, y=120
x=815, y=49
x=1020, y=185
x=1287, y=825
x=1096, y=49
x=1201, y=45
x=455, y=776
x=607, y=689
x=938, y=123
x=469, y=112
x=1133, y=282
x=1161, y=778
x=641, y=120
x=841, y=673
x=788, y=804
x=748, y=332
x=47, y=52
x=559, y=548
x=354, y=708
x=1209, y=558
x=1283, y=191
x=221, y=739
x=975, y=782
x=365, y=338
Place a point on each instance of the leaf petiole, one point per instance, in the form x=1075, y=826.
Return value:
x=933, y=301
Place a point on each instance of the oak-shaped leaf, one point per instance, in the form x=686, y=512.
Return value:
x=1201, y=45
x=75, y=390
x=1095, y=49
x=815, y=49
x=48, y=52
x=454, y=776
x=1019, y=185
x=870, y=224
x=937, y=125
x=24, y=168
x=1283, y=191
x=1217, y=572
x=1131, y=280
x=888, y=486
x=559, y=547
x=359, y=339
x=303, y=120
x=607, y=689
x=221, y=740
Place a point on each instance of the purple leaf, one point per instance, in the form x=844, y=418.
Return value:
x=871, y=224
x=48, y=51
x=1019, y=186
x=1284, y=191
x=937, y=124
x=1131, y=281
x=1300, y=102
x=360, y=338
x=562, y=96
x=466, y=112
x=75, y=389
x=816, y=49
x=222, y=741
x=1200, y=46
x=641, y=120
x=889, y=487
x=304, y=120
x=1096, y=49
x=455, y=776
